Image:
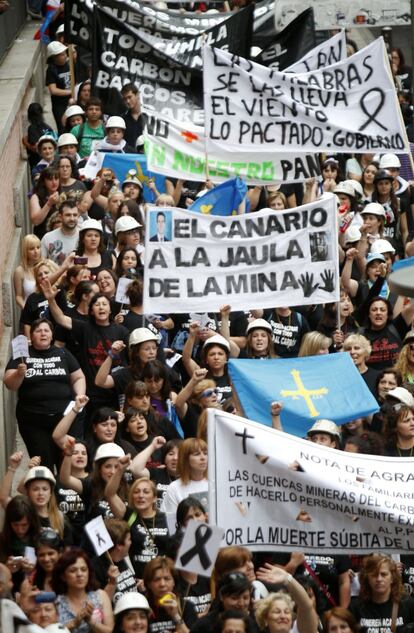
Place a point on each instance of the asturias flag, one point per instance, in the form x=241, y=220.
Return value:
x=223, y=199
x=311, y=388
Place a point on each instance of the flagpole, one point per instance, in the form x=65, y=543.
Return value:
x=72, y=70
x=203, y=43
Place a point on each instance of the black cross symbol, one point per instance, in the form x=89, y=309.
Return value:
x=245, y=437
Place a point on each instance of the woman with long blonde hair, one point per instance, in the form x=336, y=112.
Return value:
x=23, y=277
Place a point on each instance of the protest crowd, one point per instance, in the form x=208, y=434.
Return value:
x=112, y=400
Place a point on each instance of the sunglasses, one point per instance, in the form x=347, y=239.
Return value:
x=411, y=347
x=209, y=392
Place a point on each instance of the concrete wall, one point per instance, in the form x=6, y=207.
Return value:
x=21, y=82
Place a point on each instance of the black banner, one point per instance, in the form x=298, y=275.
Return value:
x=121, y=56
x=297, y=39
x=79, y=20
x=233, y=34
x=264, y=31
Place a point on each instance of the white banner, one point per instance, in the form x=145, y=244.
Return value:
x=266, y=259
x=329, y=52
x=350, y=14
x=350, y=106
x=178, y=150
x=274, y=491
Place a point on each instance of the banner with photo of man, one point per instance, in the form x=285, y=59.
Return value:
x=272, y=491
x=265, y=259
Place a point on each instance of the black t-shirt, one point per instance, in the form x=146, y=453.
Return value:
x=149, y=538
x=66, y=336
x=376, y=618
x=370, y=377
x=408, y=573
x=72, y=506
x=95, y=342
x=125, y=581
x=327, y=568
x=133, y=129
x=37, y=307
x=199, y=593
x=160, y=622
x=59, y=75
x=287, y=332
x=162, y=480
x=46, y=388
x=94, y=508
x=386, y=343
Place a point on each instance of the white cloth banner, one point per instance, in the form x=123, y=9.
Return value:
x=178, y=150
x=350, y=106
x=274, y=491
x=259, y=260
x=329, y=52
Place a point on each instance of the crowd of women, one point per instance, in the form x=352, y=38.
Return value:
x=112, y=402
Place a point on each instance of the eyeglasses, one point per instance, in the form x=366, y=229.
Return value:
x=209, y=392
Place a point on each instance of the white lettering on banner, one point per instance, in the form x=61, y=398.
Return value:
x=288, y=258
x=350, y=104
x=276, y=491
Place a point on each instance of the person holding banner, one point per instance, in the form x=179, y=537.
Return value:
x=381, y=598
x=215, y=353
x=199, y=394
x=399, y=431
x=259, y=342
x=234, y=591
x=275, y=614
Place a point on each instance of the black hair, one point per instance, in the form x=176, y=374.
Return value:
x=83, y=287
x=184, y=506
x=74, y=172
x=168, y=446
x=38, y=322
x=98, y=296
x=35, y=113
x=157, y=369
x=129, y=87
x=233, y=583
x=232, y=614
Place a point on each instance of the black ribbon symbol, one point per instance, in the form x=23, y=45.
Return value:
x=202, y=536
x=371, y=115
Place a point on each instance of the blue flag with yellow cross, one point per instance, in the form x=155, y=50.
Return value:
x=314, y=387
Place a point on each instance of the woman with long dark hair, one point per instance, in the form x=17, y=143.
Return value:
x=44, y=200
